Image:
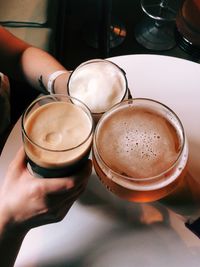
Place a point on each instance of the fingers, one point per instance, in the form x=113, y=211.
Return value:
x=66, y=190
x=19, y=161
x=18, y=166
x=59, y=205
x=20, y=156
x=62, y=185
x=59, y=209
x=55, y=200
x=57, y=214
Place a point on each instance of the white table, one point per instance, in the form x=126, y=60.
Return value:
x=103, y=231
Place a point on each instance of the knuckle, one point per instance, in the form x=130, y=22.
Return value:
x=12, y=167
x=36, y=190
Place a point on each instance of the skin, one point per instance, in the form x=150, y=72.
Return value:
x=22, y=61
x=27, y=201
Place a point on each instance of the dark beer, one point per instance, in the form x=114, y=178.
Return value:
x=57, y=135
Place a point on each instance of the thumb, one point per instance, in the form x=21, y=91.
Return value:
x=20, y=156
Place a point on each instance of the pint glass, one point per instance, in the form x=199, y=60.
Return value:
x=100, y=84
x=57, y=133
x=140, y=150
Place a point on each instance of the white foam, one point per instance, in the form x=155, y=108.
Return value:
x=100, y=85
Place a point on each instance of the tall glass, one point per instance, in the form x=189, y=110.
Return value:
x=100, y=84
x=140, y=150
x=57, y=134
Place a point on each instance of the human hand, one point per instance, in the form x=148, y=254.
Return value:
x=27, y=201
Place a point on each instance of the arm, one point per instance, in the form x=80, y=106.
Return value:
x=23, y=61
x=27, y=202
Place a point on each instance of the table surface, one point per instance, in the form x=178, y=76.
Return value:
x=103, y=231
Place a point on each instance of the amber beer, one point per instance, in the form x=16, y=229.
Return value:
x=57, y=133
x=188, y=26
x=139, y=150
x=100, y=84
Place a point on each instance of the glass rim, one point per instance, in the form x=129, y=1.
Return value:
x=94, y=61
x=140, y=179
x=158, y=17
x=52, y=96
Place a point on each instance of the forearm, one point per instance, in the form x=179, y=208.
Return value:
x=20, y=61
x=37, y=65
x=10, y=241
x=9, y=248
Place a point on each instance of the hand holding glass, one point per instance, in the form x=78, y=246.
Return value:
x=57, y=133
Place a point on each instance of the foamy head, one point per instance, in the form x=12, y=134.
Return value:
x=100, y=84
x=59, y=134
x=138, y=142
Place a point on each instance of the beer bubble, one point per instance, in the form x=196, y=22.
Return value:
x=53, y=138
x=141, y=141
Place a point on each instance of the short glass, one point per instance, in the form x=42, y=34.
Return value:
x=57, y=133
x=140, y=151
x=100, y=84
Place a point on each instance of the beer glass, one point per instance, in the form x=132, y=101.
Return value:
x=140, y=150
x=156, y=30
x=57, y=133
x=100, y=84
x=188, y=27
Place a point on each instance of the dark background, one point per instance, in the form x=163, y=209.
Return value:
x=127, y=12
x=73, y=47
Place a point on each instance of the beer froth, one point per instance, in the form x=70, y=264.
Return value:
x=59, y=129
x=144, y=144
x=98, y=84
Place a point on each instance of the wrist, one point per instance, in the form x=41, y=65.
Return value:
x=9, y=230
x=60, y=85
x=8, y=227
x=4, y=219
x=57, y=82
